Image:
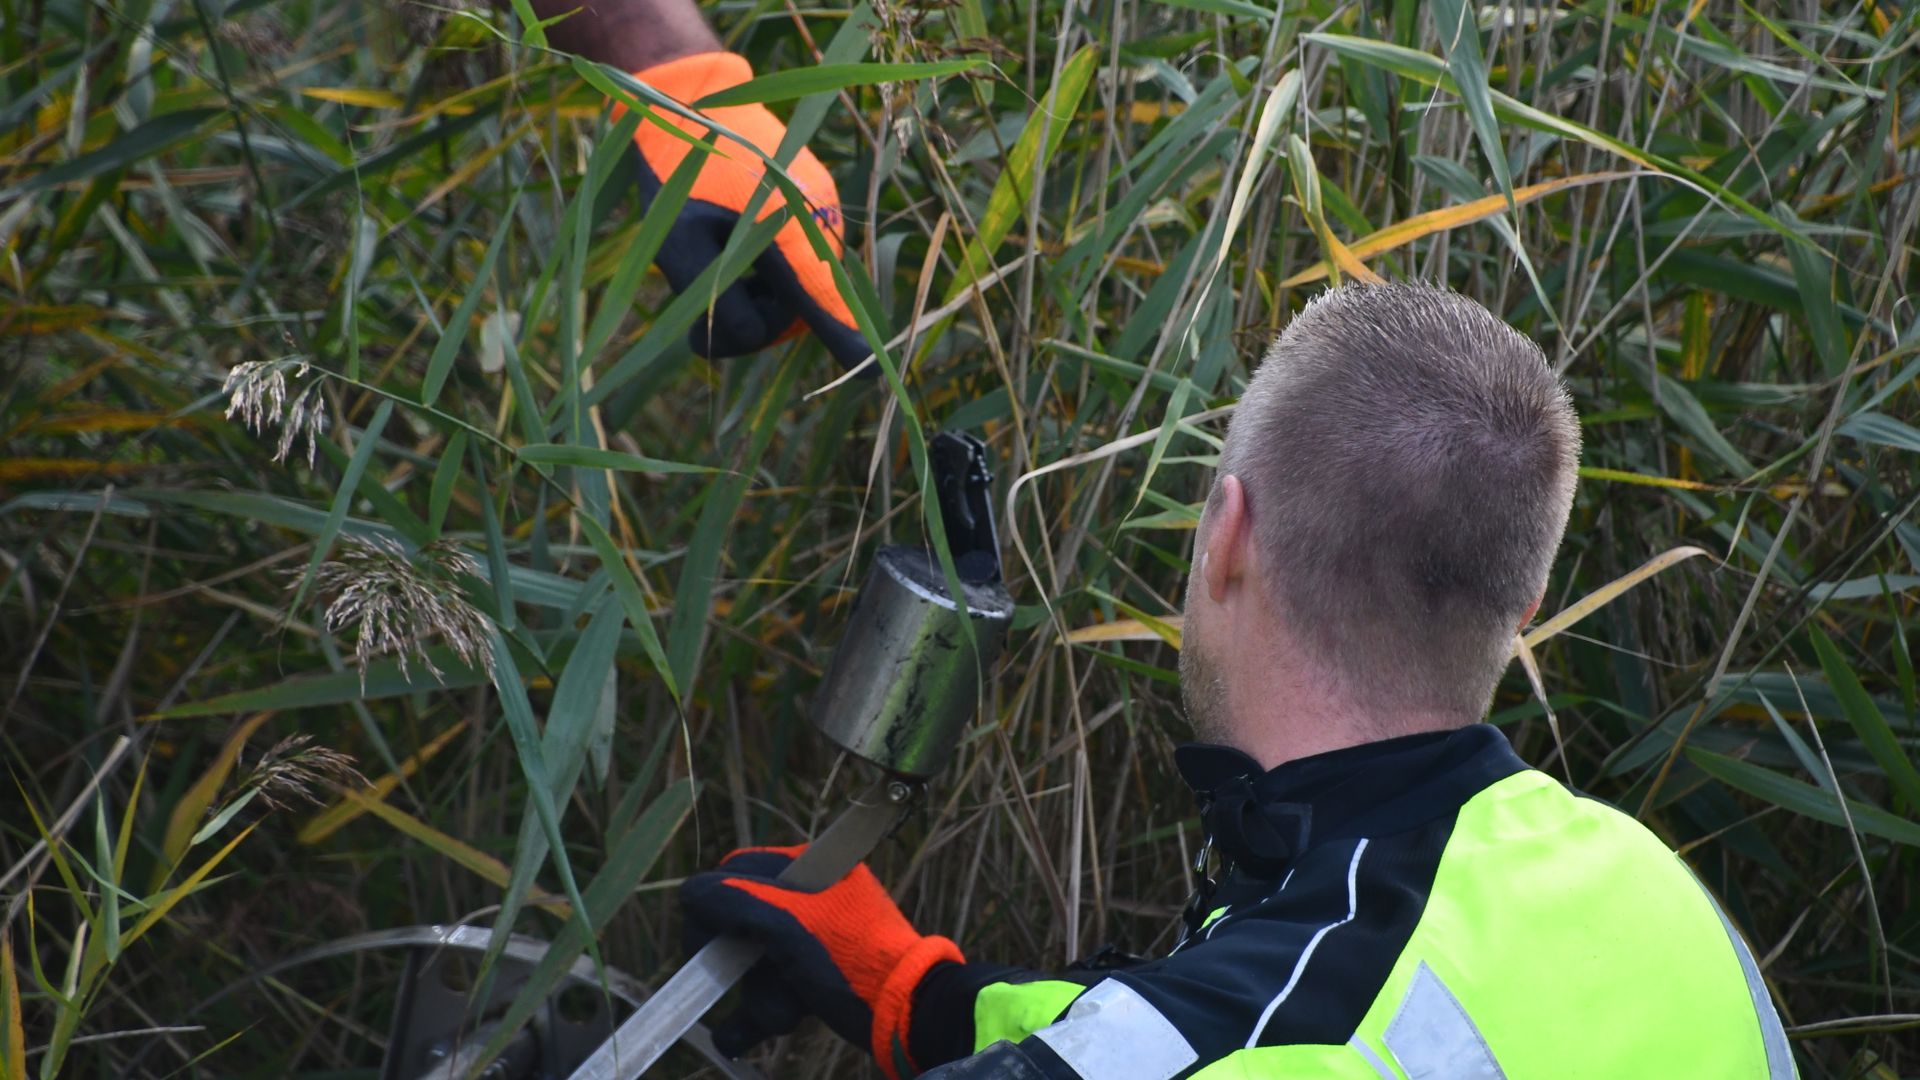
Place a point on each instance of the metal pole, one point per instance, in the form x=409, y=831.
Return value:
x=712, y=971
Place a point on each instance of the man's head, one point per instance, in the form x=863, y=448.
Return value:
x=1394, y=484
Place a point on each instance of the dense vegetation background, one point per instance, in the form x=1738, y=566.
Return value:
x=330, y=328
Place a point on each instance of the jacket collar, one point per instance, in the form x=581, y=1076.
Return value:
x=1261, y=820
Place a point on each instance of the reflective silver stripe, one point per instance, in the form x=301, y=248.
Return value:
x=1772, y=1035
x=1373, y=1059
x=1432, y=1035
x=1300, y=965
x=1112, y=1033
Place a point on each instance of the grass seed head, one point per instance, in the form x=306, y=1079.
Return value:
x=294, y=768
x=396, y=602
x=258, y=393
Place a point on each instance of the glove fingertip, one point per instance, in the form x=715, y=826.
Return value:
x=767, y=1010
x=766, y=863
x=735, y=1036
x=789, y=850
x=830, y=320
x=846, y=343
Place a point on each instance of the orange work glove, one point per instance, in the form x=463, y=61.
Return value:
x=790, y=288
x=845, y=954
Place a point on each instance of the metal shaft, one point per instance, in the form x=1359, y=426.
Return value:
x=707, y=976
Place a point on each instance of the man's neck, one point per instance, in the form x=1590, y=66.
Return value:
x=1274, y=737
x=1281, y=704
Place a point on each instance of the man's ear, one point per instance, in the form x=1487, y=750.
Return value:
x=1532, y=610
x=1223, y=554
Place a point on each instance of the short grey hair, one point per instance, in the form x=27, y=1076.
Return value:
x=1409, y=462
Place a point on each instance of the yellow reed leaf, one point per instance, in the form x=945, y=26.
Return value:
x=68, y=386
x=191, y=811
x=1349, y=264
x=91, y=420
x=13, y=1055
x=15, y=470
x=471, y=167
x=455, y=849
x=1165, y=628
x=328, y=821
x=355, y=95
x=158, y=906
x=1140, y=112
x=27, y=319
x=1532, y=668
x=1621, y=476
x=1609, y=592
x=1168, y=627
x=1406, y=232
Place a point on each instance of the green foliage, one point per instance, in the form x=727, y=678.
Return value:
x=1075, y=229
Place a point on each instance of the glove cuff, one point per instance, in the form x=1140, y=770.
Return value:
x=693, y=77
x=893, y=1005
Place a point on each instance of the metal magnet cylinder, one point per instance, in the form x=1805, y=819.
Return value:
x=905, y=679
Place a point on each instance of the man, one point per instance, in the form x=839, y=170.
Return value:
x=1399, y=895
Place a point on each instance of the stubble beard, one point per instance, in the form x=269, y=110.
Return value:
x=1202, y=691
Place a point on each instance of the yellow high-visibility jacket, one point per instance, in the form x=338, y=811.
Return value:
x=1419, y=907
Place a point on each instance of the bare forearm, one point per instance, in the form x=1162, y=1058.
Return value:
x=629, y=34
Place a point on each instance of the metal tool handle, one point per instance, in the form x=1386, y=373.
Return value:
x=706, y=977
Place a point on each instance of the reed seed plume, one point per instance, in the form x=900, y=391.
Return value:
x=258, y=392
x=296, y=769
x=396, y=602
